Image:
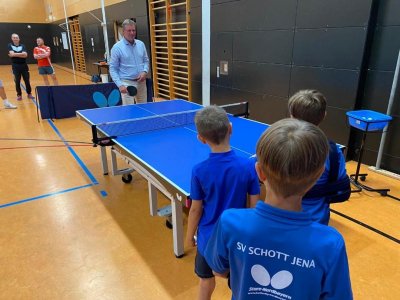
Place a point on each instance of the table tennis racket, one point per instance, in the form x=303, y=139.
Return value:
x=132, y=91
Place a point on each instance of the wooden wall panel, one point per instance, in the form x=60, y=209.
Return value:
x=55, y=8
x=46, y=10
x=17, y=11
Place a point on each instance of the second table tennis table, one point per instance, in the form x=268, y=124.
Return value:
x=159, y=141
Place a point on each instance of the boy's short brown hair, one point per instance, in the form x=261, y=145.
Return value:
x=291, y=154
x=212, y=123
x=308, y=105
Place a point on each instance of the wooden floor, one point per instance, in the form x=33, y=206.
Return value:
x=68, y=232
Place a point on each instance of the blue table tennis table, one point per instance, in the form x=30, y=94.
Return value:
x=164, y=155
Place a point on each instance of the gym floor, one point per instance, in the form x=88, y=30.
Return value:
x=69, y=232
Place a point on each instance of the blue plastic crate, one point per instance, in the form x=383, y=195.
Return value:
x=368, y=120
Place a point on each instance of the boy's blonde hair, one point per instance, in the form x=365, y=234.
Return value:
x=308, y=105
x=212, y=124
x=291, y=153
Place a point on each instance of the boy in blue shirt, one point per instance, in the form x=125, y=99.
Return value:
x=222, y=181
x=275, y=250
x=310, y=106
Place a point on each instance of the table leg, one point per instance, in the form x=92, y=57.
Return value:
x=104, y=163
x=114, y=163
x=152, y=198
x=177, y=229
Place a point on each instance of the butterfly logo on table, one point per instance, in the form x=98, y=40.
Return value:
x=102, y=101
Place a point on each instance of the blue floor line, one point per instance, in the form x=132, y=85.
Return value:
x=71, y=150
x=77, y=158
x=46, y=195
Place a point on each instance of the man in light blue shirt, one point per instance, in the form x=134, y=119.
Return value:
x=129, y=64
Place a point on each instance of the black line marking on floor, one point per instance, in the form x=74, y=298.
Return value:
x=367, y=226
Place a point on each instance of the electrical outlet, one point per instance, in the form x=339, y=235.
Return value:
x=224, y=69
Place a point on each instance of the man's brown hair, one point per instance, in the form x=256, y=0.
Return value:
x=308, y=105
x=291, y=153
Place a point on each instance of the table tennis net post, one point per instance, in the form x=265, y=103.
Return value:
x=238, y=109
x=151, y=123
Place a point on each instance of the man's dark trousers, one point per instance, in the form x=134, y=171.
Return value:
x=18, y=71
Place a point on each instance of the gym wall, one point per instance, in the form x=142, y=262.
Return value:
x=345, y=49
x=22, y=11
x=91, y=28
x=73, y=7
x=27, y=35
x=383, y=51
x=276, y=47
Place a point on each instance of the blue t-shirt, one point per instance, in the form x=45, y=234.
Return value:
x=222, y=181
x=277, y=254
x=318, y=207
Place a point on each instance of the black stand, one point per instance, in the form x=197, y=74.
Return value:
x=101, y=141
x=354, y=177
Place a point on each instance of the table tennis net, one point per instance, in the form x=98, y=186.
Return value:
x=140, y=125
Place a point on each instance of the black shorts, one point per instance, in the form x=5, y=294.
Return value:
x=201, y=267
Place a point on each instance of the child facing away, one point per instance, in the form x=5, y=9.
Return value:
x=275, y=250
x=310, y=106
x=224, y=180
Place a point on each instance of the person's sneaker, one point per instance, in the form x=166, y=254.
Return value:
x=19, y=98
x=30, y=96
x=9, y=105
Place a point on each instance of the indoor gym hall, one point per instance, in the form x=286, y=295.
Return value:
x=69, y=232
